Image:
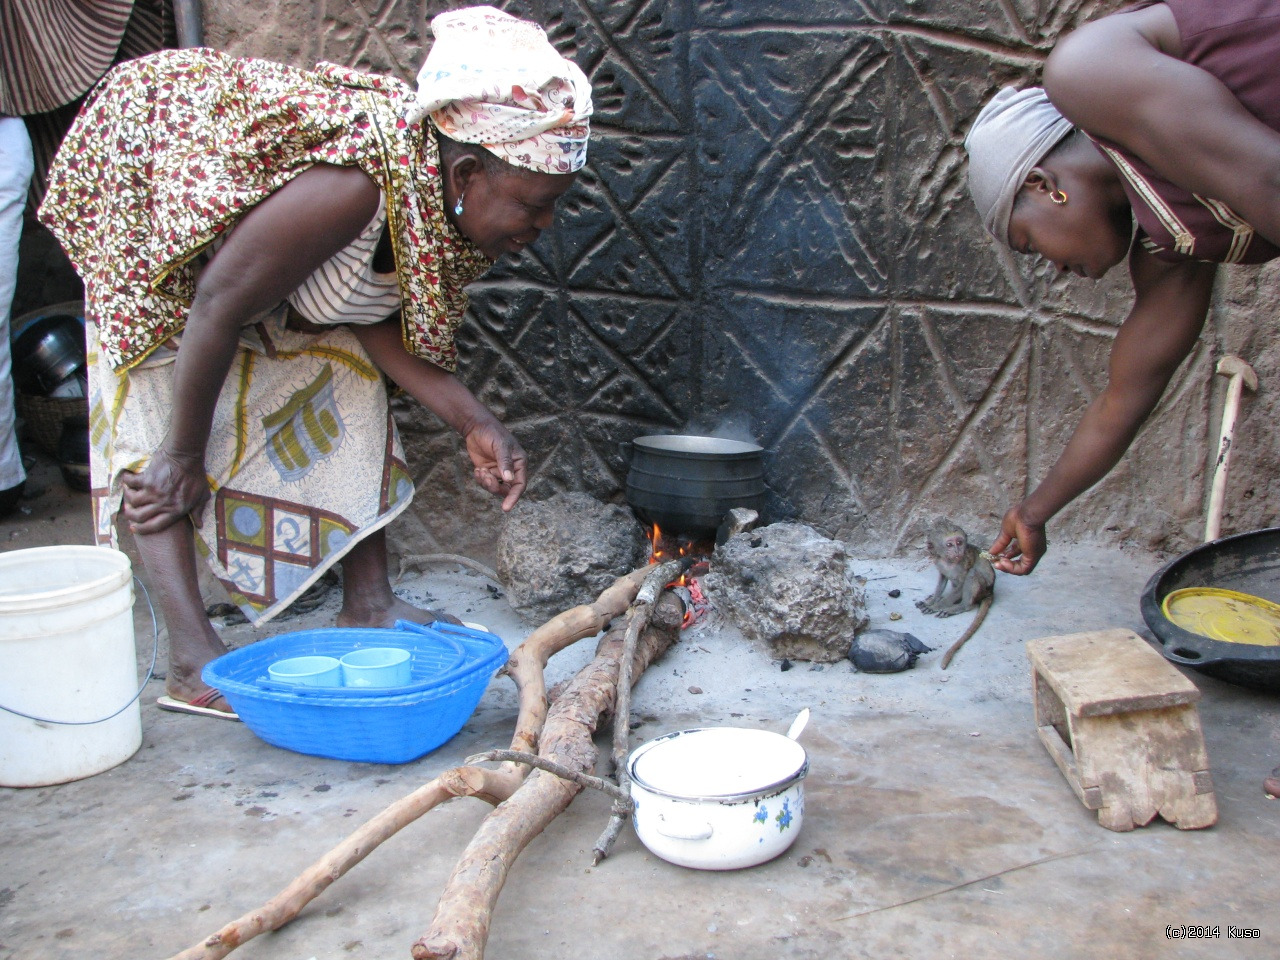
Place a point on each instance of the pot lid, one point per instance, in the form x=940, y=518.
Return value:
x=717, y=762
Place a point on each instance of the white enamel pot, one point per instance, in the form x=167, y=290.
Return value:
x=718, y=798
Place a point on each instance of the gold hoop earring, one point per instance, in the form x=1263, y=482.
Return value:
x=1058, y=196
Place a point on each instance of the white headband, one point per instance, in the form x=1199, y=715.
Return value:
x=493, y=80
x=1012, y=133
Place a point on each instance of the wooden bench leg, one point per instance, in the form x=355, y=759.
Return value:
x=1146, y=763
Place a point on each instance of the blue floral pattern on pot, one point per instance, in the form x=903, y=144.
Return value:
x=784, y=815
x=762, y=815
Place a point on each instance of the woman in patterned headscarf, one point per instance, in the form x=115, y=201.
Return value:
x=1156, y=138
x=260, y=245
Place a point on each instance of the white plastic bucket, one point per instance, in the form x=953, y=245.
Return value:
x=66, y=654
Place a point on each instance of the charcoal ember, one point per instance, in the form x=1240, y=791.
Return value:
x=885, y=651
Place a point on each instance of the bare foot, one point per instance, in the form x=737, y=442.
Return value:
x=1271, y=785
x=363, y=614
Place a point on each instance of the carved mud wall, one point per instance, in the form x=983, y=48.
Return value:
x=773, y=239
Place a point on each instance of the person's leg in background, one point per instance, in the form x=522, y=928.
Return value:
x=16, y=168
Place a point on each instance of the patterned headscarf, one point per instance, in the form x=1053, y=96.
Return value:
x=496, y=81
x=1013, y=133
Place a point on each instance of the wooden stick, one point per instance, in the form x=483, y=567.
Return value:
x=528, y=662
x=1240, y=374
x=461, y=926
x=525, y=667
x=653, y=584
x=532, y=760
x=313, y=881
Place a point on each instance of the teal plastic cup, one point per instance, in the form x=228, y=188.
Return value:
x=307, y=671
x=376, y=667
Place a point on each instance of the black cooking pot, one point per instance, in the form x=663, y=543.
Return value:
x=1247, y=563
x=686, y=484
x=47, y=352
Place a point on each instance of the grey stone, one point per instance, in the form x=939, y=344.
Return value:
x=791, y=587
x=563, y=551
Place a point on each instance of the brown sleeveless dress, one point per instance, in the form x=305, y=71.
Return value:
x=1239, y=43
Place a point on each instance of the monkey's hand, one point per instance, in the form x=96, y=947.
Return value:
x=1020, y=545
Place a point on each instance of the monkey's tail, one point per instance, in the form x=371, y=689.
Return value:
x=973, y=628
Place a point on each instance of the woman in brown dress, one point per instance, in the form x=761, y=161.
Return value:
x=1156, y=139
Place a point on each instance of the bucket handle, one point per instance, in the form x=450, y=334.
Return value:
x=155, y=650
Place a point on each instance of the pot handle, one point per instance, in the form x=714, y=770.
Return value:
x=689, y=830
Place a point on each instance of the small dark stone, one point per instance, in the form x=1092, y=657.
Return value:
x=885, y=651
x=786, y=665
x=895, y=593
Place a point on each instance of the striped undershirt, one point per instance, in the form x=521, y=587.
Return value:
x=347, y=289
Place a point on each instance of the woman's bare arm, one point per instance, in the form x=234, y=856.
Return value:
x=1169, y=309
x=497, y=457
x=273, y=248
x=1120, y=78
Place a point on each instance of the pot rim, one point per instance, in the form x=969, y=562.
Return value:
x=778, y=786
x=695, y=445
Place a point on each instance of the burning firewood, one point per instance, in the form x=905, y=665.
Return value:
x=560, y=733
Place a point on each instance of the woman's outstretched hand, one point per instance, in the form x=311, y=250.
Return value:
x=1020, y=545
x=499, y=461
x=172, y=486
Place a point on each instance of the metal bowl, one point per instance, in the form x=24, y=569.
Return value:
x=1248, y=563
x=47, y=352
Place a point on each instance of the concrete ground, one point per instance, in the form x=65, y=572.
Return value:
x=936, y=824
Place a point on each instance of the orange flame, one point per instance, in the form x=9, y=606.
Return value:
x=660, y=554
x=663, y=548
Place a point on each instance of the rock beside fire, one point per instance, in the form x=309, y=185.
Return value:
x=790, y=586
x=563, y=551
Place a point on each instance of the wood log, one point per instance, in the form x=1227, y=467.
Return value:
x=642, y=609
x=525, y=667
x=464, y=913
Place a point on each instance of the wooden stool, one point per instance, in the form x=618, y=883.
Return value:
x=1122, y=725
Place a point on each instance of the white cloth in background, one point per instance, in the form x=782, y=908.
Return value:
x=16, y=167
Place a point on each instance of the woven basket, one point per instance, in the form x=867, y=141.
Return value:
x=45, y=416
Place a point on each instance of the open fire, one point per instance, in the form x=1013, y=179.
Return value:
x=664, y=547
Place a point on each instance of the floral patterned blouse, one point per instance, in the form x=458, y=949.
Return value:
x=170, y=150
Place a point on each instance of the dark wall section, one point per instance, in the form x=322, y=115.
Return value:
x=773, y=240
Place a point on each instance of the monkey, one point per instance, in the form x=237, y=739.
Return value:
x=966, y=579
